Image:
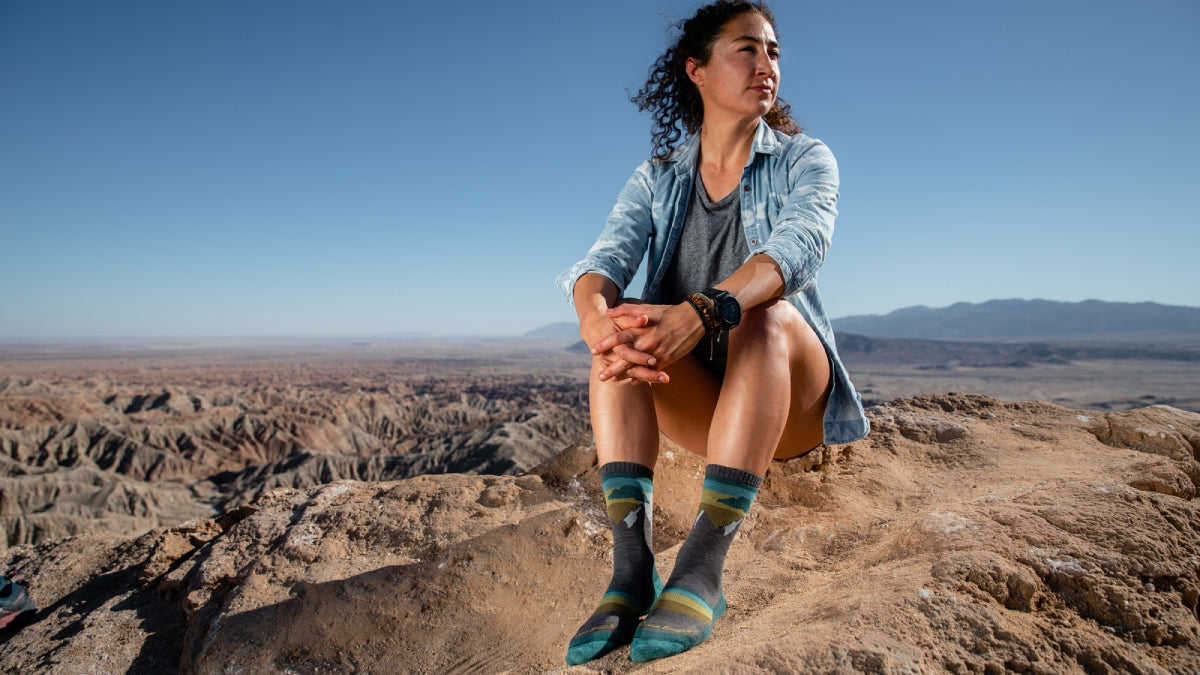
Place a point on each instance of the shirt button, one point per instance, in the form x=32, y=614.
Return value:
x=746, y=189
x=753, y=242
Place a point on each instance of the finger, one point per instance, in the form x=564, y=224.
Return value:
x=626, y=311
x=614, y=372
x=634, y=356
x=606, y=359
x=606, y=343
x=631, y=321
x=643, y=374
x=615, y=375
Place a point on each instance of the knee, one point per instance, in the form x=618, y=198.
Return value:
x=768, y=324
x=773, y=317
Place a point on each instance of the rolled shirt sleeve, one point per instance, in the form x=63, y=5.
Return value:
x=803, y=229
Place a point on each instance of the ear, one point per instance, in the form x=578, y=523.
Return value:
x=695, y=71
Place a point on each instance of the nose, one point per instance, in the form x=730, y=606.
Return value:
x=763, y=65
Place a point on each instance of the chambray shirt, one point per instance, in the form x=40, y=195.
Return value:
x=789, y=201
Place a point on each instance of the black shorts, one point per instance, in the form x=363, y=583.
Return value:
x=713, y=355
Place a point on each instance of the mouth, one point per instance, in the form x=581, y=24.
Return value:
x=764, y=89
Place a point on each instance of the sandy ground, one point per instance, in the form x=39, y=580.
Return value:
x=964, y=535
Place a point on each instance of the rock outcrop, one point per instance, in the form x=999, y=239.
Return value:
x=963, y=535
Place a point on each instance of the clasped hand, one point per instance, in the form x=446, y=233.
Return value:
x=638, y=341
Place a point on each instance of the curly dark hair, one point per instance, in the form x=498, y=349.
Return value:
x=670, y=95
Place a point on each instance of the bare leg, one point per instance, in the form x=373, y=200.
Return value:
x=626, y=433
x=776, y=386
x=771, y=404
x=623, y=421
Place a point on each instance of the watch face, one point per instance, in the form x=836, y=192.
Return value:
x=729, y=310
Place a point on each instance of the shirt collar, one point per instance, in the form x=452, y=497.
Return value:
x=684, y=157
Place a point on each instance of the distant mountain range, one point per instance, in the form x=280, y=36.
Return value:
x=948, y=354
x=1032, y=320
x=1002, y=320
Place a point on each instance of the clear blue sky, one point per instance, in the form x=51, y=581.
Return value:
x=356, y=168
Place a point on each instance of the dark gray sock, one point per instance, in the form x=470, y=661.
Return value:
x=692, y=601
x=628, y=491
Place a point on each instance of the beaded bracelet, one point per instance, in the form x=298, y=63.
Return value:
x=708, y=312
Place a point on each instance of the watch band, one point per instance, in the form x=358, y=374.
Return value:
x=724, y=303
x=707, y=310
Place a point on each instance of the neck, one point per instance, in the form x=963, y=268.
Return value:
x=726, y=143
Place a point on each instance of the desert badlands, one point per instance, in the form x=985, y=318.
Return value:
x=326, y=512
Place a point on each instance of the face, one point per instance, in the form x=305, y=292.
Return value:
x=741, y=77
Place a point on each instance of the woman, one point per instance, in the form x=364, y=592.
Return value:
x=730, y=331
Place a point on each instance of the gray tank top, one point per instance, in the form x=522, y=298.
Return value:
x=711, y=246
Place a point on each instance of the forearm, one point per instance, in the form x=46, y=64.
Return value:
x=594, y=294
x=758, y=280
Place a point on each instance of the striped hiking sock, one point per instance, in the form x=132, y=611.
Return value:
x=635, y=584
x=684, y=613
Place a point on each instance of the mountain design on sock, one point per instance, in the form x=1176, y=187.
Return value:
x=725, y=504
x=684, y=614
x=628, y=495
x=624, y=500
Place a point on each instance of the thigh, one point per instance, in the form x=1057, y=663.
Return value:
x=812, y=379
x=775, y=388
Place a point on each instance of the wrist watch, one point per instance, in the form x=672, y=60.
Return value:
x=729, y=310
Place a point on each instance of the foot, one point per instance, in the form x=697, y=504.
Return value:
x=612, y=625
x=678, y=621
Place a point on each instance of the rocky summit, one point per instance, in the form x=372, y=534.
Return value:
x=963, y=535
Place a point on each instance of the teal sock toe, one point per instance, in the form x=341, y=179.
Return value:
x=648, y=649
x=649, y=644
x=586, y=648
x=612, y=625
x=674, y=625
